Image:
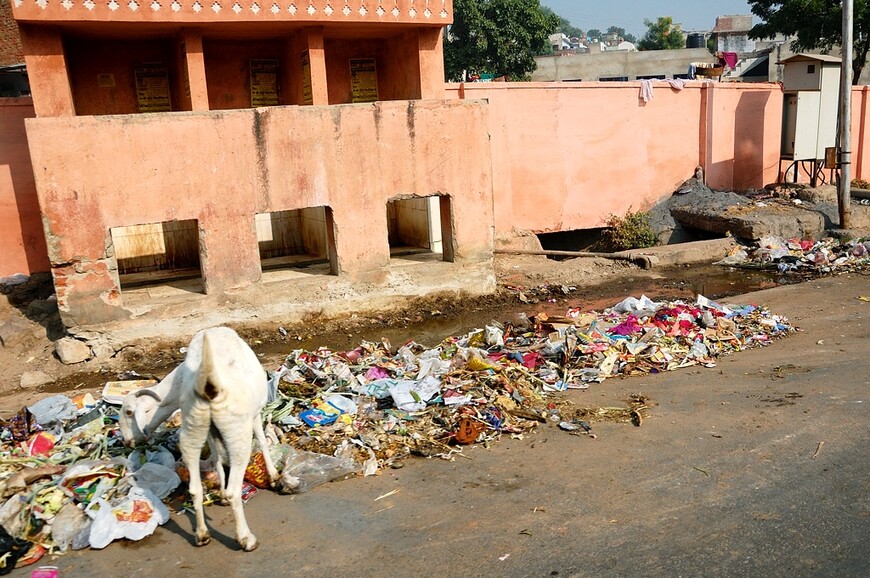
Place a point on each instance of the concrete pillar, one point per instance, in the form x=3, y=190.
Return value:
x=47, y=71
x=317, y=66
x=431, y=54
x=228, y=251
x=195, y=71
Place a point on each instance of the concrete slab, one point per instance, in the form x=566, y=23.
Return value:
x=691, y=253
x=753, y=222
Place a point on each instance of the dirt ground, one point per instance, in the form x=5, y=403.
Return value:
x=756, y=467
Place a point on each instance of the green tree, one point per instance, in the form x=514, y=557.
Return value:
x=594, y=34
x=814, y=25
x=627, y=36
x=661, y=35
x=499, y=37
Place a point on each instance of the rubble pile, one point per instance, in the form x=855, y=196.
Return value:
x=68, y=481
x=803, y=257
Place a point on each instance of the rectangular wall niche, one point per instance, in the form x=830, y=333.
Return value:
x=419, y=228
x=299, y=239
x=158, y=253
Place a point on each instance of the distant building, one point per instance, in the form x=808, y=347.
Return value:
x=601, y=64
x=560, y=42
x=731, y=34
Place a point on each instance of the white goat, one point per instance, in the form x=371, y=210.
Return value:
x=142, y=411
x=221, y=388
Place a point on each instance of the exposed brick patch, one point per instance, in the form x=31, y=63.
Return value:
x=10, y=39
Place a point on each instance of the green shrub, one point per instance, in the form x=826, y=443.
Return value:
x=632, y=231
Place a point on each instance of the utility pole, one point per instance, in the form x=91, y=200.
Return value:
x=845, y=129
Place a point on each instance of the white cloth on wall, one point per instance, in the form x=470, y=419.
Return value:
x=646, y=86
x=646, y=89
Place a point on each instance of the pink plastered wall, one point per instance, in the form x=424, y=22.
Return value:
x=222, y=168
x=22, y=244
x=566, y=156
x=860, y=132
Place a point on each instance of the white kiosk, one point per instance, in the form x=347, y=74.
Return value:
x=811, y=87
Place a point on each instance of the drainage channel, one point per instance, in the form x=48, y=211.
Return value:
x=714, y=282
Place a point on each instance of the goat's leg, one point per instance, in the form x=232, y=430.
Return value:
x=267, y=457
x=191, y=440
x=217, y=456
x=239, y=453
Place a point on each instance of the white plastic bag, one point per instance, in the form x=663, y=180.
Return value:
x=159, y=455
x=136, y=516
x=633, y=305
x=412, y=395
x=156, y=478
x=301, y=471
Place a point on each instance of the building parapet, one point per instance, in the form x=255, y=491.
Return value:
x=417, y=12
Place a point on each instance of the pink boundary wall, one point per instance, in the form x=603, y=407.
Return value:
x=564, y=156
x=22, y=243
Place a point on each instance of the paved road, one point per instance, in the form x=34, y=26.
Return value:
x=741, y=470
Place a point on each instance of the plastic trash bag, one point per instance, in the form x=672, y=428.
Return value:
x=494, y=336
x=91, y=479
x=633, y=305
x=159, y=455
x=434, y=366
x=156, y=478
x=134, y=517
x=301, y=471
x=412, y=395
x=11, y=549
x=53, y=409
x=67, y=526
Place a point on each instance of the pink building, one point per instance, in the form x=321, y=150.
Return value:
x=207, y=161
x=172, y=176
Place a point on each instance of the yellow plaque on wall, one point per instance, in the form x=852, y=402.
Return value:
x=363, y=80
x=264, y=82
x=152, y=89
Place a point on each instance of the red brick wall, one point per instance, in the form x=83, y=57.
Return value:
x=10, y=41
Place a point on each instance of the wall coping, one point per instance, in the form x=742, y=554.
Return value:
x=562, y=85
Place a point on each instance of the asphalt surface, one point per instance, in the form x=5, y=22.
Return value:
x=757, y=467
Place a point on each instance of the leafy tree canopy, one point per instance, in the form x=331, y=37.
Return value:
x=661, y=35
x=594, y=34
x=814, y=25
x=499, y=37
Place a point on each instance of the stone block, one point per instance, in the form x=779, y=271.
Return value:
x=70, y=350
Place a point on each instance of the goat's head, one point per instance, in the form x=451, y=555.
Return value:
x=136, y=410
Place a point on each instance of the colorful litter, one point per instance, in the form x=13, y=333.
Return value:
x=802, y=257
x=67, y=481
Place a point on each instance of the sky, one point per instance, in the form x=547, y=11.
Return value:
x=630, y=14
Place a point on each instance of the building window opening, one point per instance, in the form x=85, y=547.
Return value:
x=419, y=229
x=159, y=254
x=299, y=240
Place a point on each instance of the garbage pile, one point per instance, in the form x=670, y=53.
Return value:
x=67, y=480
x=803, y=257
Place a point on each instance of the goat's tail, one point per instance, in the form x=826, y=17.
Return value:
x=206, y=387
